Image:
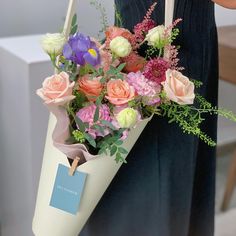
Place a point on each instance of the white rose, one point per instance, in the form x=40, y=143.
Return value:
x=178, y=88
x=127, y=118
x=53, y=43
x=155, y=36
x=120, y=46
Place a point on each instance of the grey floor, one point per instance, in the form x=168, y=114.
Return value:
x=225, y=222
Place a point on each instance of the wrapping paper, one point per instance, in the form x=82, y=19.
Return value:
x=101, y=170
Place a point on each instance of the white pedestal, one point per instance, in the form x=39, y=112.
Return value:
x=23, y=124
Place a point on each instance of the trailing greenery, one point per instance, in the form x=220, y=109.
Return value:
x=189, y=118
x=118, y=17
x=103, y=18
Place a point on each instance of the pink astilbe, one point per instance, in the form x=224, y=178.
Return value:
x=168, y=29
x=142, y=28
x=173, y=57
x=150, y=11
x=155, y=70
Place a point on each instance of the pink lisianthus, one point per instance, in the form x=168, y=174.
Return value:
x=57, y=89
x=155, y=70
x=86, y=114
x=149, y=90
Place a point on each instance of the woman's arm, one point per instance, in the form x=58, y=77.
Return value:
x=226, y=3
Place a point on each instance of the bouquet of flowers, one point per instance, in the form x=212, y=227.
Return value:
x=104, y=94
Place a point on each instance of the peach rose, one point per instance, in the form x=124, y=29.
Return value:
x=91, y=87
x=113, y=32
x=57, y=89
x=178, y=88
x=119, y=92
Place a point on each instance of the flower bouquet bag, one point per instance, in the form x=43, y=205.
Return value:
x=101, y=98
x=101, y=170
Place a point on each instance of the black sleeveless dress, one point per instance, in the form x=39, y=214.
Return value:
x=168, y=186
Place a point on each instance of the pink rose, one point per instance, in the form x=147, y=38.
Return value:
x=92, y=88
x=119, y=92
x=57, y=89
x=178, y=88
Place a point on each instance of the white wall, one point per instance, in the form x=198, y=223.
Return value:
x=225, y=16
x=21, y=17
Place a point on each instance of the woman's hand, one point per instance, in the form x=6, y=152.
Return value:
x=226, y=3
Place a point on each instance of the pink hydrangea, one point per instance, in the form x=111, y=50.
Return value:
x=155, y=70
x=86, y=114
x=149, y=90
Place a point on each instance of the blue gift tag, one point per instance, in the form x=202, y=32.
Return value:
x=67, y=190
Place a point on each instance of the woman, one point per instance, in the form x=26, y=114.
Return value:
x=168, y=186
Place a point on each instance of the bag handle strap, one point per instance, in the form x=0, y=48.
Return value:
x=169, y=12
x=69, y=16
x=68, y=21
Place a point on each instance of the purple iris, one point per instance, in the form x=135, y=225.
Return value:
x=81, y=50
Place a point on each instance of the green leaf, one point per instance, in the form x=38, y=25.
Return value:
x=108, y=124
x=96, y=115
x=103, y=80
x=122, y=150
x=80, y=123
x=74, y=29
x=119, y=158
x=74, y=20
x=90, y=139
x=121, y=67
x=99, y=128
x=119, y=142
x=113, y=150
x=99, y=101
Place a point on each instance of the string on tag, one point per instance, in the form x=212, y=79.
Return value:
x=74, y=166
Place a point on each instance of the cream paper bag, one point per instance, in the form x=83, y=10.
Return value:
x=50, y=221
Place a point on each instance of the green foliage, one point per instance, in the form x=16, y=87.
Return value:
x=96, y=115
x=78, y=136
x=197, y=83
x=152, y=52
x=74, y=25
x=80, y=124
x=188, y=118
x=111, y=145
x=118, y=17
x=174, y=34
x=90, y=139
x=202, y=102
x=78, y=102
